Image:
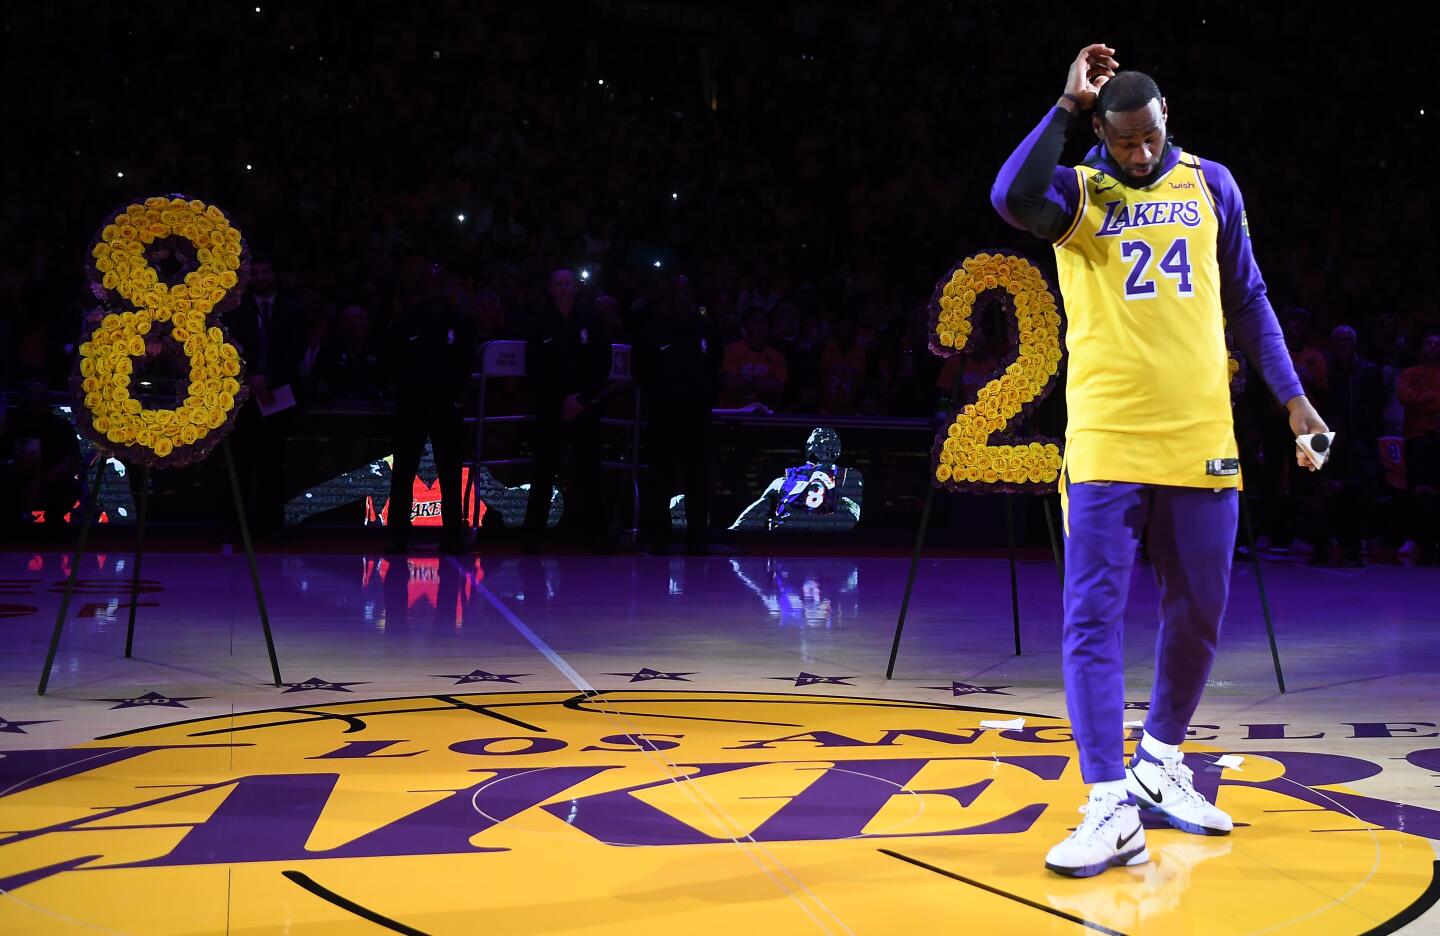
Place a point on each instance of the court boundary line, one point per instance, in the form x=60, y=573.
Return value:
x=1418, y=908
x=308, y=883
x=1000, y=893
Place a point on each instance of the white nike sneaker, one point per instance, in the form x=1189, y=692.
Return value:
x=1166, y=786
x=1110, y=835
x=1154, y=889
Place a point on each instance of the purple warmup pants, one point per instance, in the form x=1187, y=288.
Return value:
x=1192, y=538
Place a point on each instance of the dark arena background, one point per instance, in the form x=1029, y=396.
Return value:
x=595, y=467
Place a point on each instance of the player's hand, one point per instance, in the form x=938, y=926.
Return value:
x=1304, y=421
x=1094, y=66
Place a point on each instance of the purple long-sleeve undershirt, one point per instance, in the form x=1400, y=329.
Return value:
x=1034, y=193
x=1242, y=289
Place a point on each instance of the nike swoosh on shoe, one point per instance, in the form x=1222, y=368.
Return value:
x=1154, y=797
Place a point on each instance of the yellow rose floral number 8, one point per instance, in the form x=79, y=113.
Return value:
x=142, y=317
x=976, y=452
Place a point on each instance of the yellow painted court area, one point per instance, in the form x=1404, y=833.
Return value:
x=653, y=811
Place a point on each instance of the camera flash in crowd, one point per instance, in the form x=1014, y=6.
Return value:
x=676, y=195
x=460, y=217
x=119, y=175
x=657, y=264
x=584, y=274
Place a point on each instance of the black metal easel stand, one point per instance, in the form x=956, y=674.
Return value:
x=139, y=555
x=1060, y=567
x=89, y=512
x=1014, y=583
x=1260, y=583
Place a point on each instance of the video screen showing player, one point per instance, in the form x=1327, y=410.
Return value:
x=819, y=495
x=369, y=485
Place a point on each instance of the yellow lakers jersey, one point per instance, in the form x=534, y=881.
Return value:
x=1148, y=386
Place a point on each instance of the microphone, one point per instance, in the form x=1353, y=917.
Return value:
x=1316, y=446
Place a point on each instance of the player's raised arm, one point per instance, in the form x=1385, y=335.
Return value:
x=1032, y=192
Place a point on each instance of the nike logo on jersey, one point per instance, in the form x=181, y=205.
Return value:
x=1120, y=217
x=664, y=347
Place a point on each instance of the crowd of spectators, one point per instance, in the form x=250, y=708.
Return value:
x=813, y=168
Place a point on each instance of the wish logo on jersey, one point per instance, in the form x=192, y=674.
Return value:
x=1120, y=216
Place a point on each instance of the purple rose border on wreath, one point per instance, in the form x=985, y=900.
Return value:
x=111, y=302
x=1003, y=436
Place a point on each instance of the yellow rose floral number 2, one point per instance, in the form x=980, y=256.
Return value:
x=162, y=319
x=977, y=452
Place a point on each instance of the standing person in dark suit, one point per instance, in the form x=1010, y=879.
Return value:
x=567, y=368
x=1352, y=409
x=432, y=347
x=676, y=363
x=270, y=327
x=1418, y=390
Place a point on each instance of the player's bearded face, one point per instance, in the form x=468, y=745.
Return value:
x=1136, y=139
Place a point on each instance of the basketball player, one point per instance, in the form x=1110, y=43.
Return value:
x=1152, y=247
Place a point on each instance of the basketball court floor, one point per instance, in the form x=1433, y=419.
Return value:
x=582, y=744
